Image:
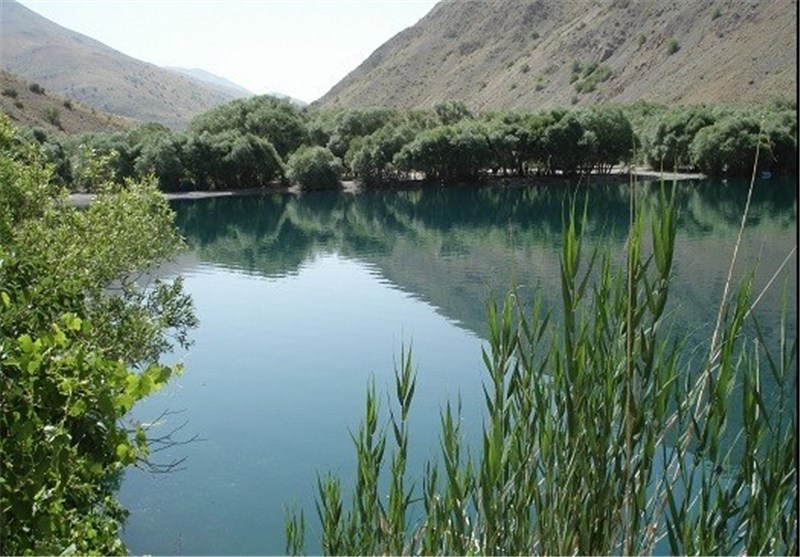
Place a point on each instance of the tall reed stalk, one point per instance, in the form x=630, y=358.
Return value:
x=599, y=437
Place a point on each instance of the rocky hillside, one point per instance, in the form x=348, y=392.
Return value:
x=496, y=54
x=31, y=105
x=86, y=70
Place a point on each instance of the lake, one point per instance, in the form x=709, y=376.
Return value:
x=304, y=298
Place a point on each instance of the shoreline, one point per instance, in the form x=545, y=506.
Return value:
x=349, y=186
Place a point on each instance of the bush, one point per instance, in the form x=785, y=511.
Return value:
x=52, y=116
x=315, y=167
x=10, y=92
x=593, y=74
x=36, y=88
x=673, y=46
x=75, y=357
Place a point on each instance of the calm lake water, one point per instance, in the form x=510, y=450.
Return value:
x=304, y=298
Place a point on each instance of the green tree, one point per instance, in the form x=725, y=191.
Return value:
x=75, y=356
x=163, y=156
x=614, y=137
x=452, y=112
x=729, y=146
x=566, y=143
x=349, y=125
x=314, y=167
x=456, y=152
x=372, y=161
x=272, y=118
x=667, y=144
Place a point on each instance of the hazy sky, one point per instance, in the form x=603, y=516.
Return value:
x=300, y=48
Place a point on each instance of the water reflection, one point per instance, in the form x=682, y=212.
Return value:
x=303, y=298
x=453, y=246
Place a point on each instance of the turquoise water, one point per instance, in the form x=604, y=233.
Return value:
x=303, y=298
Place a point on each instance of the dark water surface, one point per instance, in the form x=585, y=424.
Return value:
x=304, y=298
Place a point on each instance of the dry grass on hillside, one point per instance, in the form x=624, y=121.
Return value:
x=29, y=105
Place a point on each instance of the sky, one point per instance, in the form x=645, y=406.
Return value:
x=299, y=48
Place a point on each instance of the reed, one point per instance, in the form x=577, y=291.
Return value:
x=600, y=435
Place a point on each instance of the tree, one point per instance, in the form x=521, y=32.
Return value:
x=76, y=355
x=565, y=143
x=371, y=162
x=451, y=112
x=667, y=146
x=162, y=156
x=729, y=146
x=272, y=118
x=315, y=167
x=614, y=136
x=350, y=124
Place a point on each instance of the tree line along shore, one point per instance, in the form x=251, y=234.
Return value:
x=267, y=141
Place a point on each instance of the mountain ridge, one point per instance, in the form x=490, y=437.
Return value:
x=213, y=80
x=522, y=54
x=84, y=69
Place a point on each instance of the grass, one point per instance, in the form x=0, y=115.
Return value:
x=599, y=437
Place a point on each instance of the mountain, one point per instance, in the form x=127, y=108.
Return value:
x=30, y=105
x=84, y=69
x=504, y=54
x=214, y=81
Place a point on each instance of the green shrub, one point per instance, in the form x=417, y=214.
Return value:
x=74, y=357
x=593, y=74
x=673, y=46
x=315, y=167
x=52, y=116
x=10, y=92
x=36, y=88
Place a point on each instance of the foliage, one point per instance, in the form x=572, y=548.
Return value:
x=449, y=152
x=612, y=136
x=667, y=143
x=451, y=112
x=593, y=74
x=52, y=116
x=231, y=160
x=673, y=46
x=598, y=438
x=372, y=161
x=245, y=143
x=272, y=118
x=79, y=345
x=163, y=158
x=315, y=167
x=728, y=146
x=338, y=130
x=566, y=143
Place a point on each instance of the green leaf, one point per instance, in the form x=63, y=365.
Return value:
x=122, y=451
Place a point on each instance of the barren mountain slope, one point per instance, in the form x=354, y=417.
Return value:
x=524, y=54
x=30, y=106
x=75, y=65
